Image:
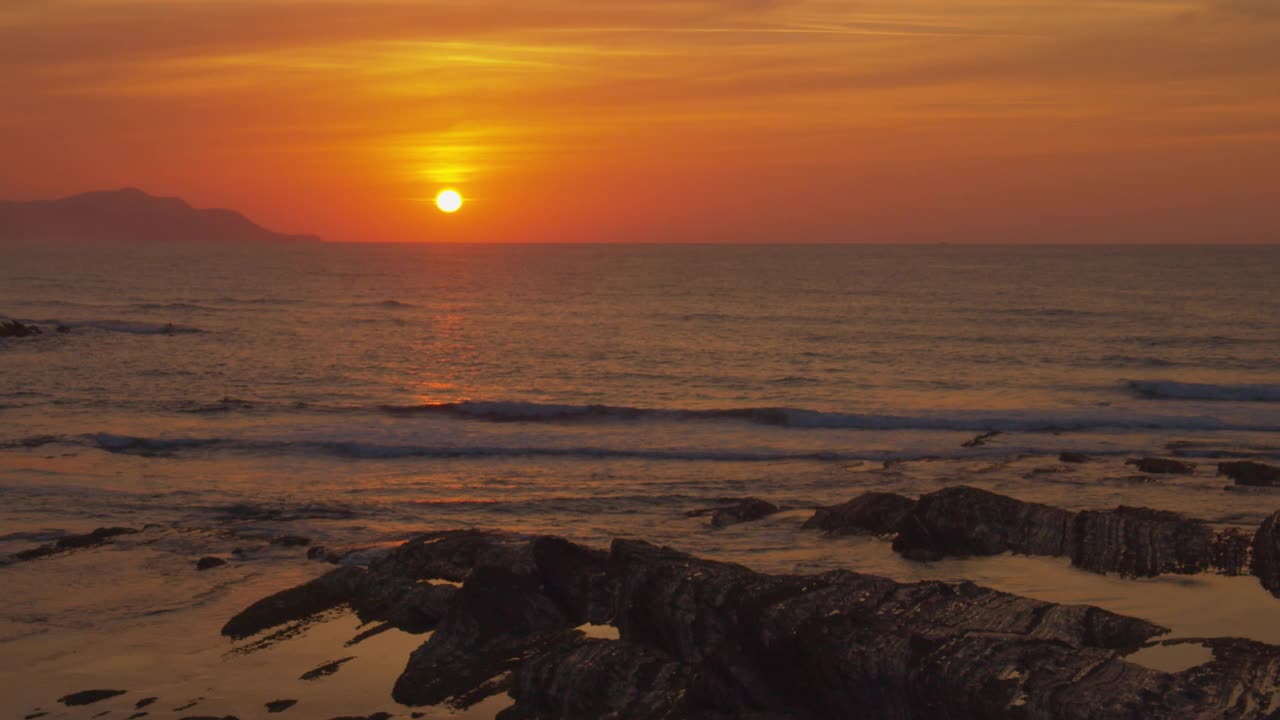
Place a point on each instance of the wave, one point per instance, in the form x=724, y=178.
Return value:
x=389, y=304
x=175, y=306
x=133, y=327
x=1170, y=390
x=127, y=444
x=975, y=421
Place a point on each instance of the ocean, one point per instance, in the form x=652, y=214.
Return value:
x=357, y=394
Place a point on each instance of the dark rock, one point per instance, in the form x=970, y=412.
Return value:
x=451, y=555
x=848, y=645
x=499, y=619
x=1140, y=542
x=595, y=678
x=1073, y=457
x=74, y=542
x=580, y=580
x=736, y=511
x=873, y=513
x=1250, y=473
x=104, y=713
x=316, y=552
x=1162, y=466
x=375, y=716
x=144, y=702
x=63, y=329
x=963, y=521
x=276, y=706
x=137, y=715
x=34, y=715
x=1266, y=554
x=291, y=541
x=420, y=608
x=981, y=440
x=712, y=640
x=13, y=328
x=325, y=592
x=85, y=697
x=209, y=561
x=1231, y=551
x=189, y=705
x=209, y=717
x=326, y=669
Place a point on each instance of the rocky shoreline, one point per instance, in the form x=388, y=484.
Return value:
x=706, y=639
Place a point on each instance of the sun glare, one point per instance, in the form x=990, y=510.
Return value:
x=449, y=201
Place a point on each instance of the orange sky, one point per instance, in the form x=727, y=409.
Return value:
x=655, y=120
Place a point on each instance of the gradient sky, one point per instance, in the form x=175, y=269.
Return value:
x=655, y=120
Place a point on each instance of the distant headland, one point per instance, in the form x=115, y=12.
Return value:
x=129, y=215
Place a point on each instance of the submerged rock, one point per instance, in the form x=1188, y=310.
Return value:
x=736, y=511
x=276, y=706
x=209, y=561
x=1162, y=466
x=1073, y=457
x=87, y=697
x=873, y=513
x=291, y=541
x=1250, y=473
x=326, y=669
x=15, y=329
x=980, y=440
x=74, y=542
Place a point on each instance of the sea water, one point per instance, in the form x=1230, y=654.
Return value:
x=357, y=394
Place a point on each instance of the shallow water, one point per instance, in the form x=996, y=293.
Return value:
x=357, y=394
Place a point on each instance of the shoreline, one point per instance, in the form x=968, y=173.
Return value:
x=168, y=646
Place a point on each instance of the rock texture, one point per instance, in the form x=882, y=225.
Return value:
x=1266, y=554
x=714, y=640
x=962, y=521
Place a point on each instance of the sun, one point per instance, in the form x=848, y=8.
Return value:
x=449, y=201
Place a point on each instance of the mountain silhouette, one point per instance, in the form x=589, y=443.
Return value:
x=129, y=215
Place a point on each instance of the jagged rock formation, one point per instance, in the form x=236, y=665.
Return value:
x=964, y=521
x=705, y=639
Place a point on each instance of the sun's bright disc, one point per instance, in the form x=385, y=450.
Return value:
x=449, y=201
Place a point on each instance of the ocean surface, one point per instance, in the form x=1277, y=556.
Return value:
x=359, y=393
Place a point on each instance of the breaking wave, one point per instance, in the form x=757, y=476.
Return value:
x=1169, y=390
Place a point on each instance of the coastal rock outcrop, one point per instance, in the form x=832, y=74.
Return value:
x=963, y=521
x=960, y=521
x=706, y=639
x=733, y=512
x=1250, y=473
